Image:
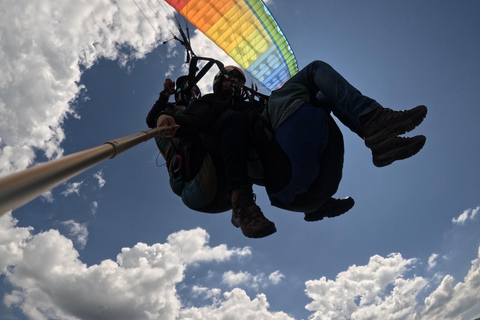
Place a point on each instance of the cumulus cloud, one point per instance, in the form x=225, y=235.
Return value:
x=206, y=292
x=468, y=214
x=236, y=305
x=50, y=281
x=233, y=279
x=44, y=47
x=13, y=241
x=77, y=230
x=380, y=290
x=450, y=300
x=359, y=292
x=73, y=187
x=276, y=277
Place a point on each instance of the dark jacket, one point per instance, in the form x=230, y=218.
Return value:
x=159, y=106
x=204, y=112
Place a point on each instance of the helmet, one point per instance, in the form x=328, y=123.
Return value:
x=181, y=95
x=233, y=72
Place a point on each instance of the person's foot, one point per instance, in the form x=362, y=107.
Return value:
x=381, y=124
x=247, y=216
x=397, y=148
x=332, y=208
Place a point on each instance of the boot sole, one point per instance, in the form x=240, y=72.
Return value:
x=377, y=140
x=264, y=233
x=400, y=153
x=260, y=234
x=331, y=211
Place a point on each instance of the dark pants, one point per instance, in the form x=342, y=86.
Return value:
x=314, y=146
x=331, y=92
x=347, y=103
x=232, y=129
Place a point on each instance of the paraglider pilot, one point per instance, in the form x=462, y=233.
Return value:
x=296, y=112
x=224, y=114
x=300, y=115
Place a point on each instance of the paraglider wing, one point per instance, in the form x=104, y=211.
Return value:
x=247, y=32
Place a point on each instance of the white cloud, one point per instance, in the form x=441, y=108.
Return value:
x=237, y=305
x=233, y=279
x=94, y=207
x=77, y=230
x=206, y=48
x=43, y=45
x=50, y=281
x=99, y=177
x=450, y=301
x=73, y=187
x=244, y=278
x=276, y=277
x=461, y=218
x=359, y=292
x=206, y=292
x=380, y=290
x=48, y=196
x=468, y=214
x=432, y=261
x=13, y=241
x=192, y=246
x=474, y=212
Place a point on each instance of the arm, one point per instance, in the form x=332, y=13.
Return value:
x=161, y=103
x=197, y=117
x=200, y=115
x=189, y=122
x=169, y=124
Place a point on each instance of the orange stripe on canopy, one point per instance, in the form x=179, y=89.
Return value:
x=247, y=32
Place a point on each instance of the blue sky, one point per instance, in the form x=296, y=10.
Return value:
x=116, y=243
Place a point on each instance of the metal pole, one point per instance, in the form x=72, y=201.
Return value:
x=24, y=186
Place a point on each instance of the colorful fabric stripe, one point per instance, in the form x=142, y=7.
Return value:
x=247, y=32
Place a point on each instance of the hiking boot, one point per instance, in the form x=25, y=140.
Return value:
x=382, y=123
x=331, y=208
x=397, y=148
x=248, y=217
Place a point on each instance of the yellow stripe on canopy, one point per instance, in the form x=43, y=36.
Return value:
x=247, y=32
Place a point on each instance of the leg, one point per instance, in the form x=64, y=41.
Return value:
x=303, y=138
x=379, y=126
x=348, y=104
x=232, y=127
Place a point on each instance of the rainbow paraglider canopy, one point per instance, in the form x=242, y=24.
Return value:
x=247, y=32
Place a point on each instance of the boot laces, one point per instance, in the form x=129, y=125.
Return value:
x=246, y=212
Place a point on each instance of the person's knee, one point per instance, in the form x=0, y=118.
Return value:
x=318, y=64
